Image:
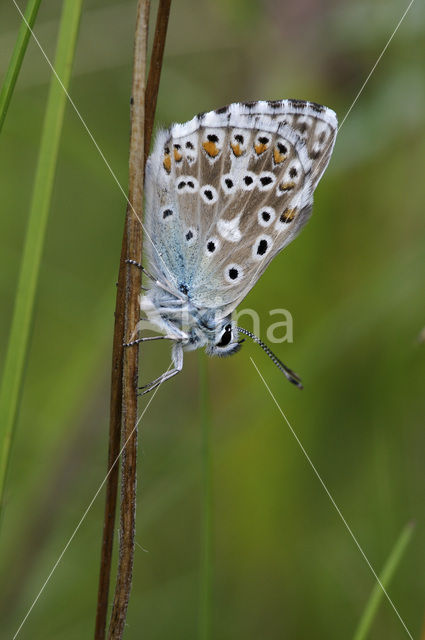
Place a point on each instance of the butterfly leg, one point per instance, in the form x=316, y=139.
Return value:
x=147, y=339
x=177, y=357
x=151, y=277
x=141, y=267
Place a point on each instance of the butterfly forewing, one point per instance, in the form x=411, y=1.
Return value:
x=230, y=189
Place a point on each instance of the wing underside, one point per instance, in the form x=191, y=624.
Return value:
x=228, y=190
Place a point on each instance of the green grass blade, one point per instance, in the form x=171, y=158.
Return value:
x=387, y=573
x=24, y=303
x=206, y=527
x=17, y=57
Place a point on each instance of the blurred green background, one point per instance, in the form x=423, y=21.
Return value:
x=284, y=564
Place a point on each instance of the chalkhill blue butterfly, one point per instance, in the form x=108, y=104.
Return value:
x=224, y=194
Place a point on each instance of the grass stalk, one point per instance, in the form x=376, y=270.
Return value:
x=123, y=379
x=152, y=86
x=205, y=591
x=130, y=279
x=377, y=594
x=17, y=348
x=17, y=58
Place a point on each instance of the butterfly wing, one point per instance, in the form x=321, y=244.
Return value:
x=229, y=190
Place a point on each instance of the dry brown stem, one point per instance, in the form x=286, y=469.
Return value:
x=123, y=405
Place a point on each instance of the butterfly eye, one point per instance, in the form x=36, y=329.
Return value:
x=226, y=336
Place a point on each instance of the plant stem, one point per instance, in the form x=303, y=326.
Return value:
x=207, y=498
x=130, y=313
x=377, y=594
x=116, y=408
x=152, y=85
x=17, y=58
x=36, y=230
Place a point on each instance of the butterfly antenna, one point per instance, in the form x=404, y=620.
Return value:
x=292, y=377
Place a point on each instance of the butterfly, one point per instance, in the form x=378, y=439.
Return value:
x=224, y=194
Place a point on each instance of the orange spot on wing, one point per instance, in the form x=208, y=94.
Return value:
x=211, y=149
x=177, y=155
x=288, y=215
x=236, y=149
x=167, y=163
x=277, y=156
x=260, y=148
x=286, y=186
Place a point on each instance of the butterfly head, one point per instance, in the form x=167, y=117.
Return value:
x=226, y=339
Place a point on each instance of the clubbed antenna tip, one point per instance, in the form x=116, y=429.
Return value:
x=291, y=375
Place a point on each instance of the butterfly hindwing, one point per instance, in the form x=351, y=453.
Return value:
x=228, y=190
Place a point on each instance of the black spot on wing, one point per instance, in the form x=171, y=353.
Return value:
x=262, y=247
x=265, y=180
